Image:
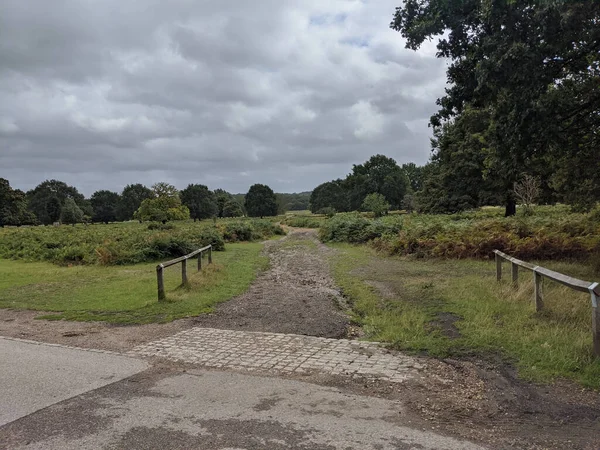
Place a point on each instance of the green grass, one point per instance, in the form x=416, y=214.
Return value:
x=421, y=295
x=127, y=294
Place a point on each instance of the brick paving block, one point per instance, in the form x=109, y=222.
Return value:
x=283, y=353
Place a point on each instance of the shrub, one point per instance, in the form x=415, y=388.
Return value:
x=303, y=221
x=123, y=243
x=471, y=235
x=238, y=231
x=265, y=228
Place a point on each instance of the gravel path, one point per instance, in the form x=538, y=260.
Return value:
x=296, y=295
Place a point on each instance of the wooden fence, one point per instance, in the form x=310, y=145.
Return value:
x=539, y=273
x=183, y=260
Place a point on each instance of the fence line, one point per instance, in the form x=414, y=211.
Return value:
x=183, y=261
x=539, y=273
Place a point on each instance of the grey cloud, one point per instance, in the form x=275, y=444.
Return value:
x=102, y=94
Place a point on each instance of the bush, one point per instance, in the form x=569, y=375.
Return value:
x=125, y=243
x=354, y=228
x=238, y=231
x=471, y=235
x=265, y=228
x=303, y=221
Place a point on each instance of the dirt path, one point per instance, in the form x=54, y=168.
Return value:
x=296, y=295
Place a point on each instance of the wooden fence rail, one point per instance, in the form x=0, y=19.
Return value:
x=539, y=273
x=183, y=260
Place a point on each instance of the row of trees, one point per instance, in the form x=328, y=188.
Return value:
x=55, y=201
x=381, y=175
x=523, y=100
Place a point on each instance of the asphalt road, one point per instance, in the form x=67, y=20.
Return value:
x=35, y=376
x=77, y=399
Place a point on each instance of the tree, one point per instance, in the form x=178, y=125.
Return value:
x=527, y=191
x=221, y=197
x=329, y=195
x=381, y=175
x=53, y=209
x=163, y=189
x=408, y=203
x=104, y=204
x=200, y=201
x=457, y=177
x=533, y=67
x=41, y=200
x=414, y=174
x=71, y=213
x=376, y=203
x=13, y=206
x=232, y=209
x=165, y=205
x=261, y=201
x=131, y=198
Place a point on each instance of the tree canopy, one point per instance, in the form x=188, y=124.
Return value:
x=42, y=200
x=376, y=203
x=260, y=201
x=131, y=198
x=201, y=202
x=13, y=206
x=105, y=204
x=380, y=174
x=71, y=213
x=232, y=209
x=329, y=195
x=165, y=205
x=529, y=67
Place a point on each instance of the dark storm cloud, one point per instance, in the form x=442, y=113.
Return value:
x=102, y=94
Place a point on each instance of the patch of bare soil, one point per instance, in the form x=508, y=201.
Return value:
x=97, y=335
x=296, y=295
x=484, y=401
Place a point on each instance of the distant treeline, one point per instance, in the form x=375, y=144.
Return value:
x=55, y=201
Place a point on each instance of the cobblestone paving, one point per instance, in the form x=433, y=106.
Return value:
x=282, y=353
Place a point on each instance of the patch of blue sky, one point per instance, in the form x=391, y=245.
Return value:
x=356, y=41
x=328, y=19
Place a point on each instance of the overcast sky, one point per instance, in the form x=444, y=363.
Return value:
x=103, y=93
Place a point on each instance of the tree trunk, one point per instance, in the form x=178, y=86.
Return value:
x=511, y=207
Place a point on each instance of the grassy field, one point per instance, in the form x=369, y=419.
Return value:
x=450, y=307
x=127, y=293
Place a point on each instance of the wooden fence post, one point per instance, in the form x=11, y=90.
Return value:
x=515, y=275
x=595, y=319
x=184, y=278
x=161, y=283
x=210, y=255
x=539, y=297
x=498, y=267
x=199, y=261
